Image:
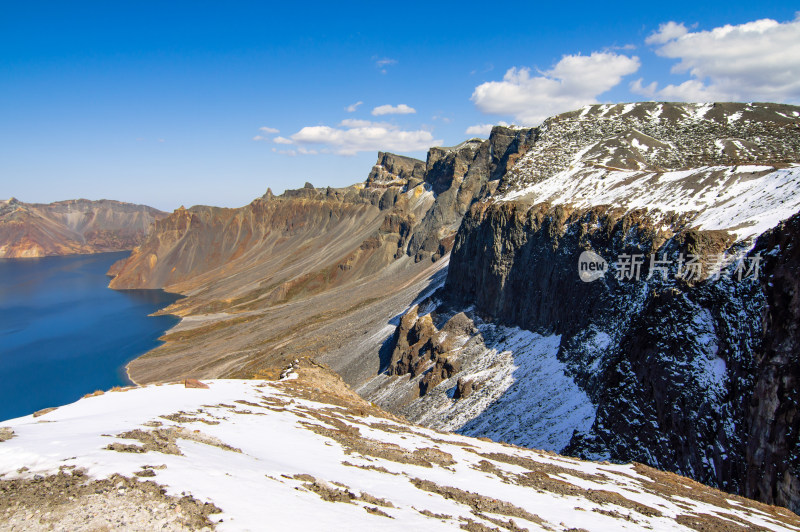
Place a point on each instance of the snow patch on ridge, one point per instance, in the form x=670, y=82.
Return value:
x=745, y=200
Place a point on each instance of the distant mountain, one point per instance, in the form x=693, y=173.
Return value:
x=305, y=453
x=450, y=290
x=72, y=227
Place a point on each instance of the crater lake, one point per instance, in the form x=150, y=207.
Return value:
x=64, y=333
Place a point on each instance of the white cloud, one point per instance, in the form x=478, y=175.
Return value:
x=384, y=62
x=281, y=140
x=354, y=122
x=352, y=107
x=667, y=32
x=401, y=109
x=758, y=60
x=575, y=81
x=259, y=137
x=269, y=130
x=483, y=129
x=479, y=129
x=361, y=135
x=688, y=91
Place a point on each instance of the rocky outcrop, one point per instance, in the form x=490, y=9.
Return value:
x=72, y=227
x=458, y=177
x=421, y=348
x=396, y=169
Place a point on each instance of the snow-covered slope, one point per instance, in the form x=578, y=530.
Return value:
x=290, y=455
x=720, y=166
x=745, y=200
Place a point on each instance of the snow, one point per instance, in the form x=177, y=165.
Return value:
x=700, y=110
x=708, y=368
x=539, y=405
x=654, y=114
x=734, y=117
x=601, y=340
x=255, y=488
x=516, y=372
x=745, y=200
x=639, y=146
x=628, y=107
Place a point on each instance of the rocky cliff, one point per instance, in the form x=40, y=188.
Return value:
x=681, y=353
x=72, y=227
x=773, y=429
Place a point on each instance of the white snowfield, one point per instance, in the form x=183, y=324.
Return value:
x=745, y=200
x=252, y=448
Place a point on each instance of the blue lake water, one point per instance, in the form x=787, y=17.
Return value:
x=64, y=333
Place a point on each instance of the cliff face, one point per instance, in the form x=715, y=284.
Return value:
x=773, y=438
x=693, y=374
x=72, y=227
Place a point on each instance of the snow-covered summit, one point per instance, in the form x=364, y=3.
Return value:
x=730, y=166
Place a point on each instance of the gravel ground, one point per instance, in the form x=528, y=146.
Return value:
x=71, y=501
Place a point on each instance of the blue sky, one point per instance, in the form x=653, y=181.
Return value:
x=163, y=102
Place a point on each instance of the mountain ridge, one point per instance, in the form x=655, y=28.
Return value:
x=72, y=227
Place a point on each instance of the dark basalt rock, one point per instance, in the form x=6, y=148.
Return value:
x=391, y=167
x=699, y=377
x=421, y=348
x=773, y=438
x=465, y=388
x=459, y=177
